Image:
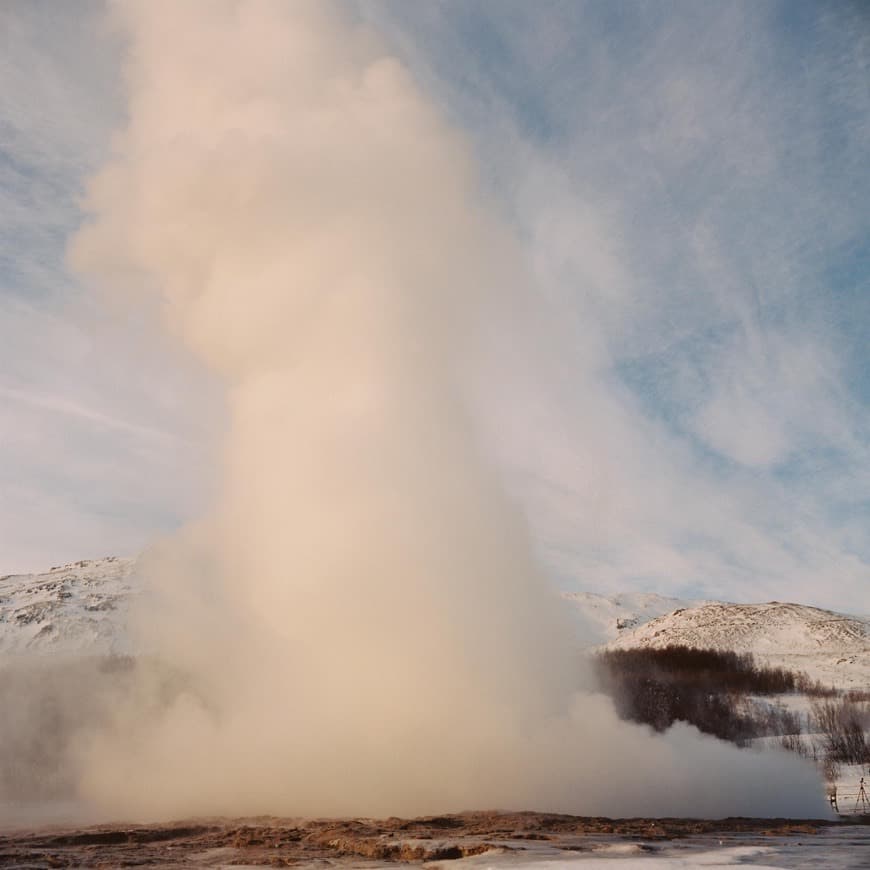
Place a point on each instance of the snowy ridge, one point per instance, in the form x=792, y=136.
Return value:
x=77, y=608
x=831, y=647
x=600, y=618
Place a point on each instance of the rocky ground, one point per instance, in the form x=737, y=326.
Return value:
x=360, y=842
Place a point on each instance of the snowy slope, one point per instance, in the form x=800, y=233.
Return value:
x=831, y=647
x=600, y=619
x=81, y=607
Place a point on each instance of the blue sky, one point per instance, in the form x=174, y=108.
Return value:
x=682, y=404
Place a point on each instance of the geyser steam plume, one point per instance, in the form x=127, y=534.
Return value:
x=363, y=626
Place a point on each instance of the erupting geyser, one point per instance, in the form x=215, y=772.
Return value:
x=359, y=619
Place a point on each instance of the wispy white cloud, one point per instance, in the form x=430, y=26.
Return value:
x=680, y=399
x=70, y=407
x=101, y=419
x=102, y=433
x=685, y=180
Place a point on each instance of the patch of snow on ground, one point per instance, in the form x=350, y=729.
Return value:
x=845, y=848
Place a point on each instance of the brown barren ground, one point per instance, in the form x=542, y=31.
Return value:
x=352, y=842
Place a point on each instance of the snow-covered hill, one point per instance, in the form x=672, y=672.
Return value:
x=77, y=608
x=601, y=618
x=831, y=647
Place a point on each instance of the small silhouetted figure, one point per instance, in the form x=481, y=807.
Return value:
x=832, y=798
x=862, y=800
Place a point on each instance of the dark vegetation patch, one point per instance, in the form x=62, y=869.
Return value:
x=719, y=692
x=707, y=688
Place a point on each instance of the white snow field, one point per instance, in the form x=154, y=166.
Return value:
x=830, y=848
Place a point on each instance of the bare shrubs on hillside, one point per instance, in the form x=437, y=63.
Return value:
x=718, y=693
x=842, y=725
x=813, y=688
x=706, y=688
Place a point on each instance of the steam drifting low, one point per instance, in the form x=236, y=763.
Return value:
x=360, y=621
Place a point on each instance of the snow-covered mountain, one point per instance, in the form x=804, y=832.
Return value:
x=77, y=608
x=831, y=647
x=83, y=608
